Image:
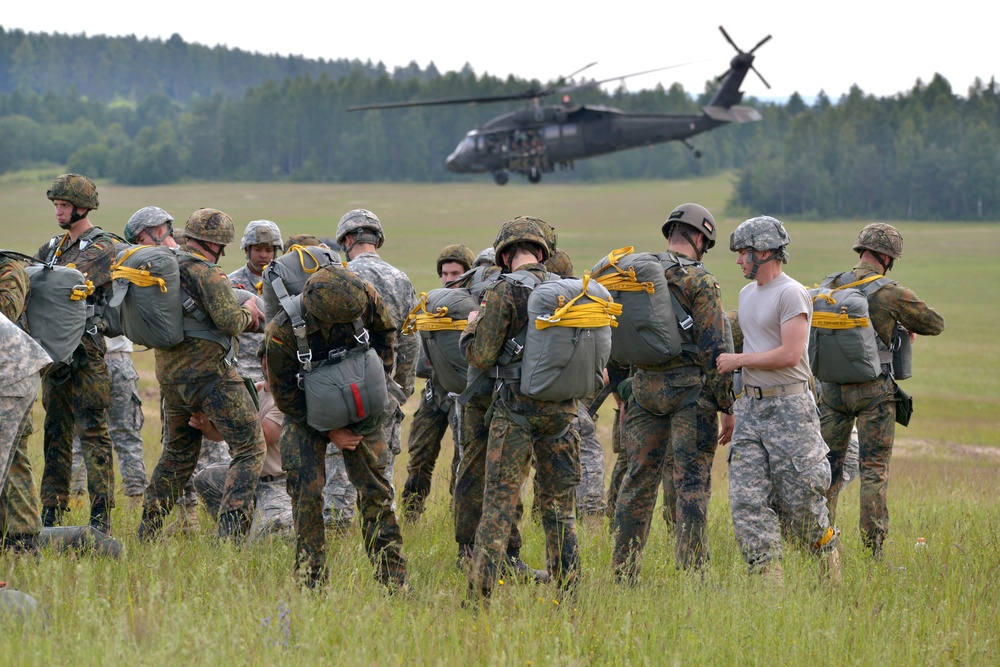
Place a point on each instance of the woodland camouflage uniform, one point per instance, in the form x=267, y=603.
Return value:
x=76, y=396
x=665, y=423
x=872, y=404
x=503, y=313
x=303, y=448
x=195, y=376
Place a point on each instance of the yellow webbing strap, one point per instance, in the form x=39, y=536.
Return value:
x=597, y=313
x=622, y=280
x=841, y=320
x=303, y=253
x=81, y=292
x=420, y=319
x=138, y=277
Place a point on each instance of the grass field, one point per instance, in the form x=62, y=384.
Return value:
x=189, y=600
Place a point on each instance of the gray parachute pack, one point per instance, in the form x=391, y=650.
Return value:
x=293, y=268
x=56, y=310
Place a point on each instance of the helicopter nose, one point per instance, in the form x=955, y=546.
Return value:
x=460, y=160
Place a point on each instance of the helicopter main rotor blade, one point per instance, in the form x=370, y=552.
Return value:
x=531, y=94
x=627, y=76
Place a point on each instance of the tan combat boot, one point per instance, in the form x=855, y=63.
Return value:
x=186, y=521
x=829, y=566
x=774, y=575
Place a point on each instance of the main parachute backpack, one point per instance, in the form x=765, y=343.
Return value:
x=843, y=345
x=440, y=317
x=147, y=296
x=293, y=268
x=56, y=311
x=651, y=325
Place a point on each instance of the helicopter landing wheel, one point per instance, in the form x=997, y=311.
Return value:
x=500, y=177
x=534, y=175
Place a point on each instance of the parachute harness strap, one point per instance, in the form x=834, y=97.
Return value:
x=622, y=280
x=421, y=319
x=598, y=313
x=138, y=277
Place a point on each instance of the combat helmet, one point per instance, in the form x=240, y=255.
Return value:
x=78, y=190
x=457, y=253
x=695, y=216
x=209, y=224
x=560, y=264
x=360, y=220
x=882, y=238
x=485, y=257
x=757, y=235
x=522, y=229
x=145, y=218
x=261, y=232
x=335, y=295
x=301, y=239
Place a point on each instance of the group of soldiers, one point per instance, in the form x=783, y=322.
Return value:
x=236, y=426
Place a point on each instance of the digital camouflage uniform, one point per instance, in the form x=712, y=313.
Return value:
x=20, y=521
x=247, y=362
x=303, y=448
x=590, y=492
x=509, y=450
x=194, y=376
x=397, y=293
x=125, y=420
x=665, y=423
x=872, y=404
x=76, y=397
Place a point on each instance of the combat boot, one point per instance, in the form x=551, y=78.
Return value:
x=51, y=517
x=518, y=570
x=774, y=575
x=150, y=525
x=829, y=566
x=20, y=544
x=186, y=523
x=233, y=525
x=100, y=514
x=464, y=559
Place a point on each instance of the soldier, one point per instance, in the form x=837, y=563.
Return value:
x=521, y=426
x=20, y=521
x=332, y=300
x=261, y=243
x=776, y=447
x=360, y=234
x=76, y=396
x=197, y=376
x=872, y=404
x=485, y=257
x=671, y=414
x=436, y=411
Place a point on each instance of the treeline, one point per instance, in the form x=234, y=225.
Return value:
x=148, y=112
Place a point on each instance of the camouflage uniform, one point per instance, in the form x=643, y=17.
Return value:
x=76, y=397
x=397, y=293
x=194, y=376
x=873, y=405
x=590, y=492
x=247, y=363
x=436, y=412
x=521, y=427
x=665, y=424
x=125, y=420
x=303, y=448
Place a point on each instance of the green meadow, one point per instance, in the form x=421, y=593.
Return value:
x=188, y=600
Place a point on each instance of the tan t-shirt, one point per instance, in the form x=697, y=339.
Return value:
x=270, y=411
x=763, y=309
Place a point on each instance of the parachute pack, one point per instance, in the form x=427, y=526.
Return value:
x=843, y=345
x=440, y=316
x=651, y=328
x=294, y=269
x=343, y=386
x=56, y=311
x=562, y=352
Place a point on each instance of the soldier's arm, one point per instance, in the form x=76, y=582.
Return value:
x=282, y=369
x=219, y=301
x=95, y=260
x=916, y=315
x=13, y=289
x=710, y=336
x=405, y=370
x=381, y=327
x=483, y=340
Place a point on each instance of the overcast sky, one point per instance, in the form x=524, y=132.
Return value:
x=883, y=47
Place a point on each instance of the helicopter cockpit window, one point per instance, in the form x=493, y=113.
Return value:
x=551, y=132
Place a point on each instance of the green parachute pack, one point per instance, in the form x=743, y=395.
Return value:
x=56, y=311
x=293, y=268
x=844, y=347
x=653, y=326
x=439, y=317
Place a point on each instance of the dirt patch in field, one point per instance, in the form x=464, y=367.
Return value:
x=949, y=450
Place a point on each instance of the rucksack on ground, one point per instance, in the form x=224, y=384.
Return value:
x=843, y=345
x=293, y=268
x=439, y=317
x=147, y=296
x=56, y=310
x=651, y=325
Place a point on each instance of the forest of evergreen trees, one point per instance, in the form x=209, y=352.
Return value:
x=152, y=111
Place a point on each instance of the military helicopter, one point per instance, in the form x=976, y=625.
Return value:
x=537, y=139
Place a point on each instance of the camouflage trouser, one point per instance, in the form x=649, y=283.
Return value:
x=125, y=420
x=76, y=401
x=873, y=405
x=470, y=478
x=273, y=505
x=556, y=450
x=230, y=408
x=213, y=452
x=660, y=429
x=619, y=469
x=590, y=493
x=303, y=455
x=777, y=450
x=19, y=505
x=429, y=424
x=340, y=498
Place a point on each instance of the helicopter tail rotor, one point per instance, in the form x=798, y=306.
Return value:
x=743, y=58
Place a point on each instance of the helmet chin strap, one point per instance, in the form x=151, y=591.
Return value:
x=881, y=259
x=757, y=262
